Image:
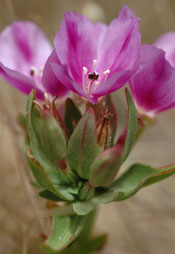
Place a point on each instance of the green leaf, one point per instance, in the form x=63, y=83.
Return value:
x=47, y=142
x=44, y=181
x=49, y=195
x=72, y=115
x=22, y=121
x=105, y=167
x=132, y=127
x=85, y=207
x=137, y=177
x=86, y=246
x=82, y=146
x=65, y=230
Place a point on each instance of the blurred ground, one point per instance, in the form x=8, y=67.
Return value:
x=144, y=224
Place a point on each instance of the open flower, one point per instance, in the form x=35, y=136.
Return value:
x=95, y=59
x=24, y=50
x=153, y=87
x=167, y=43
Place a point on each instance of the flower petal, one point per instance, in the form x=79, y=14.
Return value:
x=76, y=44
x=167, y=43
x=153, y=87
x=121, y=44
x=21, y=82
x=115, y=82
x=50, y=81
x=22, y=45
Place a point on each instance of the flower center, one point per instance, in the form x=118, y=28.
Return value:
x=90, y=82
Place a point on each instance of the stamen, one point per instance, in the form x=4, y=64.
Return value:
x=106, y=72
x=95, y=61
x=85, y=70
x=33, y=71
x=41, y=70
x=92, y=77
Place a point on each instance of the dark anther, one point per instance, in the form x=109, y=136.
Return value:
x=32, y=73
x=93, y=76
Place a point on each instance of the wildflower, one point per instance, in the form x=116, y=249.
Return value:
x=24, y=50
x=153, y=87
x=167, y=43
x=95, y=60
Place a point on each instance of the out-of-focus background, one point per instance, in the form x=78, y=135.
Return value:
x=144, y=224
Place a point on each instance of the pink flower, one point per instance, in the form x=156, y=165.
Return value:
x=93, y=59
x=153, y=86
x=24, y=50
x=167, y=43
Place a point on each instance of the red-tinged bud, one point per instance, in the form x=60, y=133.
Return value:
x=104, y=130
x=106, y=166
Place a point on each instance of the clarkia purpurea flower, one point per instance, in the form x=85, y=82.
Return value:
x=166, y=42
x=153, y=86
x=24, y=50
x=94, y=59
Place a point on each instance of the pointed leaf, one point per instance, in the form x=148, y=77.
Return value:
x=132, y=126
x=72, y=115
x=65, y=230
x=47, y=142
x=82, y=146
x=44, y=181
x=49, y=195
x=137, y=177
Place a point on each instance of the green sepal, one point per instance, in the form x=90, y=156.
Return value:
x=137, y=177
x=72, y=115
x=82, y=146
x=47, y=142
x=105, y=167
x=65, y=230
x=131, y=128
x=113, y=117
x=85, y=207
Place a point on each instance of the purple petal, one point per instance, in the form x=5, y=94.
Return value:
x=21, y=82
x=23, y=45
x=76, y=44
x=121, y=44
x=167, y=43
x=115, y=82
x=153, y=87
x=50, y=81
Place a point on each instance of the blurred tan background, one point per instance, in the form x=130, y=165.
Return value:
x=144, y=224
